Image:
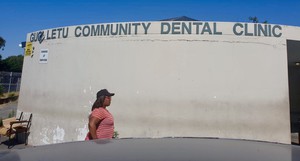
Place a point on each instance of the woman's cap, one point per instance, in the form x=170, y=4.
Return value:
x=104, y=92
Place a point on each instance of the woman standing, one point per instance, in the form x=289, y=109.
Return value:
x=101, y=122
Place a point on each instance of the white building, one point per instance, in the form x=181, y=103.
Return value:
x=171, y=79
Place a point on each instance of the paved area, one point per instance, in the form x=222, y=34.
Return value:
x=7, y=108
x=5, y=145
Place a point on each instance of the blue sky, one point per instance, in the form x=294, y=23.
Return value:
x=21, y=17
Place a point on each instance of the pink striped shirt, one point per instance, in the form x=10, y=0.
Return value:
x=105, y=129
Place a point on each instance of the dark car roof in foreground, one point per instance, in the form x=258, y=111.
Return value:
x=162, y=149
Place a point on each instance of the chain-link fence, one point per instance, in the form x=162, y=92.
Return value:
x=10, y=81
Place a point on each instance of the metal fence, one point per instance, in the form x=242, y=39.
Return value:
x=10, y=81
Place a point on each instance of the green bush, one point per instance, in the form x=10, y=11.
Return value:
x=12, y=94
x=116, y=135
x=11, y=114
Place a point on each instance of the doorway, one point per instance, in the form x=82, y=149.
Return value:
x=293, y=53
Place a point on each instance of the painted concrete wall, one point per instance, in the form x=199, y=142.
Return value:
x=195, y=85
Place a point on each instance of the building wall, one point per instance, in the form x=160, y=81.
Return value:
x=210, y=84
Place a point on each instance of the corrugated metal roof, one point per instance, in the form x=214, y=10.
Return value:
x=182, y=18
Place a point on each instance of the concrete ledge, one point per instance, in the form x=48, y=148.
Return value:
x=295, y=138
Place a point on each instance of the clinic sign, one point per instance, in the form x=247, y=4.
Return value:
x=163, y=28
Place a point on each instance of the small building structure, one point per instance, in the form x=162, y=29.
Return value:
x=171, y=78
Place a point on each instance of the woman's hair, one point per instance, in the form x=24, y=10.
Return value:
x=98, y=103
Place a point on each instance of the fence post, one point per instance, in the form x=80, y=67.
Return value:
x=9, y=82
x=18, y=85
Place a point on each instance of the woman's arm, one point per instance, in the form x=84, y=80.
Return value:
x=93, y=123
